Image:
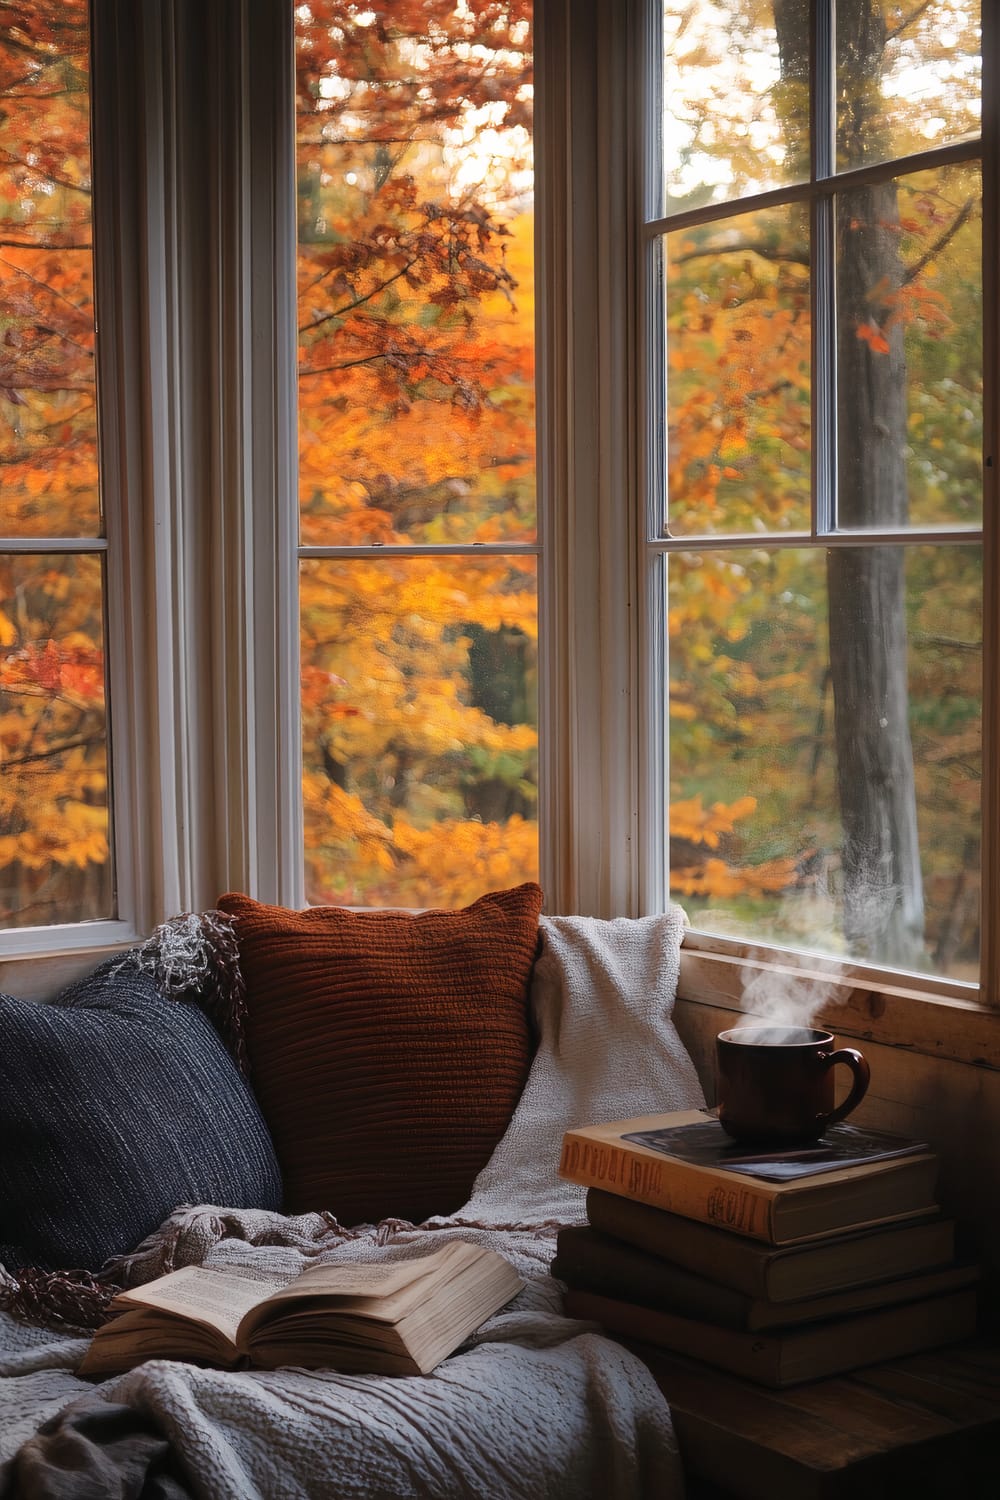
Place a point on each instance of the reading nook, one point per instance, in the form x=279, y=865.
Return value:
x=325, y=1203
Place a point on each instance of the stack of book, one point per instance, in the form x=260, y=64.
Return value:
x=779, y=1267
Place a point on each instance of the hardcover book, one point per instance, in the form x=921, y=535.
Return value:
x=809, y=1268
x=789, y=1356
x=397, y=1317
x=827, y=1202
x=592, y=1262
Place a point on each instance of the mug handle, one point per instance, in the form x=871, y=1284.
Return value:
x=862, y=1076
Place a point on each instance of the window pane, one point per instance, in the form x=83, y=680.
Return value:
x=55, y=864
x=909, y=300
x=825, y=778
x=908, y=77
x=416, y=311
x=48, y=418
x=735, y=99
x=419, y=726
x=738, y=330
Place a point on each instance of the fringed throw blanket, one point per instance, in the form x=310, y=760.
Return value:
x=535, y=1405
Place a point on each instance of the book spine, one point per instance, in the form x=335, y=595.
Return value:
x=734, y=1263
x=742, y=1206
x=754, y=1358
x=592, y=1265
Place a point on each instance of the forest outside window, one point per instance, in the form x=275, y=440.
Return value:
x=55, y=817
x=814, y=543
x=418, y=535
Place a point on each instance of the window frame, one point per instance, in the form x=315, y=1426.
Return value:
x=714, y=966
x=194, y=279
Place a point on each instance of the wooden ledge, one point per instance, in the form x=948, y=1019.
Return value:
x=920, y=1428
x=937, y=1025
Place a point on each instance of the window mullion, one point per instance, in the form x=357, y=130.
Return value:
x=823, y=273
x=652, y=382
x=989, y=936
x=824, y=367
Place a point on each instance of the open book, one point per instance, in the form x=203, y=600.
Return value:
x=397, y=1317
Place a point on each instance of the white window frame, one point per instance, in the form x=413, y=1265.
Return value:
x=944, y=1018
x=194, y=145
x=195, y=291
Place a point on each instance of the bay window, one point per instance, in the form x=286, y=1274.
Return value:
x=716, y=635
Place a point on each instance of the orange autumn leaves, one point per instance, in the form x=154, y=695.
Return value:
x=416, y=427
x=55, y=859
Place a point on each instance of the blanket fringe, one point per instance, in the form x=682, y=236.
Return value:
x=79, y=1299
x=74, y=1300
x=194, y=957
x=538, y=1229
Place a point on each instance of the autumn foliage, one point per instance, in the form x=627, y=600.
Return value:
x=416, y=418
x=416, y=429
x=54, y=834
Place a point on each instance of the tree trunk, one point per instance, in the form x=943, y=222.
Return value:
x=883, y=886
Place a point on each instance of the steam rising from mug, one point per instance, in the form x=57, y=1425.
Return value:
x=783, y=998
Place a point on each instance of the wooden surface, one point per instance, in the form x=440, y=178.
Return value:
x=922, y=1428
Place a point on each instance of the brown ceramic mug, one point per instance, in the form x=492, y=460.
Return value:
x=775, y=1083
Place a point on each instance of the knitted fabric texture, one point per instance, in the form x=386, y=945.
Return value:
x=602, y=1001
x=387, y=1049
x=122, y=1103
x=194, y=957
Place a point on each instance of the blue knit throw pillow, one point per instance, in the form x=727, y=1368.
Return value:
x=117, y=1105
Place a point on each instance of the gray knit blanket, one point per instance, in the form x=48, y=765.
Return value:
x=534, y=1405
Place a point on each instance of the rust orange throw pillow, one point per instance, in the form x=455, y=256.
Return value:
x=387, y=1049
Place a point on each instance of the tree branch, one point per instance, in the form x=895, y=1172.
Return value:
x=962, y=217
x=914, y=15
x=82, y=741
x=34, y=245
x=340, y=312
x=949, y=643
x=797, y=257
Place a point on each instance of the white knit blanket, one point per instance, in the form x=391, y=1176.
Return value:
x=535, y=1405
x=602, y=999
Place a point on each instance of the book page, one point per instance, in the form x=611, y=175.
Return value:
x=382, y=1290
x=379, y=1278
x=218, y=1299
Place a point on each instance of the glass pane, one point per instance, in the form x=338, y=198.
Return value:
x=415, y=273
x=738, y=331
x=419, y=719
x=910, y=351
x=825, y=777
x=55, y=861
x=735, y=99
x=908, y=77
x=48, y=414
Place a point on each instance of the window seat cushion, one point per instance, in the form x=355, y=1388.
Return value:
x=116, y=1105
